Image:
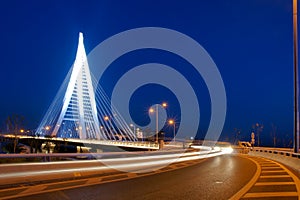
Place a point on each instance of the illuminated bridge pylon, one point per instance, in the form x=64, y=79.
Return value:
x=81, y=109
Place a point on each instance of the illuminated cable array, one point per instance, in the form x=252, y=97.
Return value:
x=81, y=109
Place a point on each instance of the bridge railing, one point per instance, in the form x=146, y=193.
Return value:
x=279, y=151
x=133, y=144
x=49, y=157
x=284, y=156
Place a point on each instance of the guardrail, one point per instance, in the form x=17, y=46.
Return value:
x=45, y=157
x=48, y=157
x=286, y=152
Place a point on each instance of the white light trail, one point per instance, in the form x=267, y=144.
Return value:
x=132, y=164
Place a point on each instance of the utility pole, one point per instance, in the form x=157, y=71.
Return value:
x=296, y=79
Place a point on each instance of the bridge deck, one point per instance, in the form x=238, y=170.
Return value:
x=130, y=144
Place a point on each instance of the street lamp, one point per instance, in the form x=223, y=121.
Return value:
x=151, y=110
x=172, y=122
x=258, y=128
x=132, y=125
x=47, y=128
x=139, y=134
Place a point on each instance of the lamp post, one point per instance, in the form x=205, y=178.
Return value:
x=151, y=110
x=258, y=128
x=132, y=125
x=296, y=79
x=47, y=128
x=172, y=122
x=139, y=134
x=108, y=129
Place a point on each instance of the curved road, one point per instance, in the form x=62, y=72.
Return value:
x=212, y=178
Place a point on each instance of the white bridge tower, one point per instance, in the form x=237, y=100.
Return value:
x=73, y=112
x=79, y=104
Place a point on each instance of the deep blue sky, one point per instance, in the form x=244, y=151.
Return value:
x=250, y=41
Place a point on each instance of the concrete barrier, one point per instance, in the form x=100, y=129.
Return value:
x=284, y=152
x=287, y=158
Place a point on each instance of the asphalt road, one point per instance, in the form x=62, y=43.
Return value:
x=213, y=178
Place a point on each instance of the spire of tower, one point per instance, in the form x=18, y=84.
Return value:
x=80, y=37
x=79, y=110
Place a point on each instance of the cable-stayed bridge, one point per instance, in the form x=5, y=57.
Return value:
x=82, y=111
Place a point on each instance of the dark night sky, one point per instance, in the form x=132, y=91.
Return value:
x=250, y=41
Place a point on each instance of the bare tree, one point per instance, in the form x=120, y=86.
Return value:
x=13, y=124
x=237, y=134
x=273, y=134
